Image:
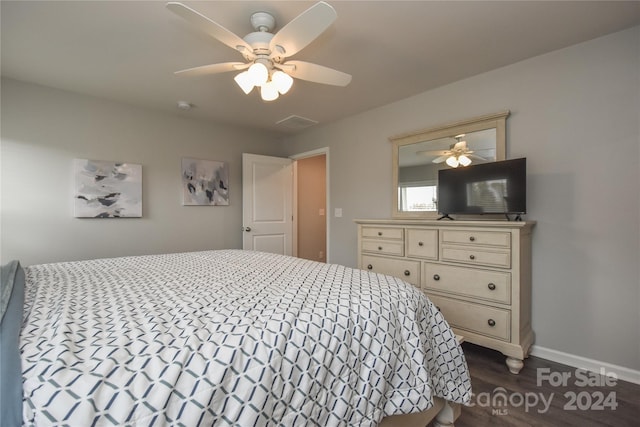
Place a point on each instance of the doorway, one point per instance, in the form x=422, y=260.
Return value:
x=310, y=205
x=302, y=225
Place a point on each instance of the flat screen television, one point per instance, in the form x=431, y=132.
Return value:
x=487, y=188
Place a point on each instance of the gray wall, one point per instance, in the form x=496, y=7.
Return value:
x=575, y=116
x=44, y=129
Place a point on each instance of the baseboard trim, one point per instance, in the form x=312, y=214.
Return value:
x=624, y=374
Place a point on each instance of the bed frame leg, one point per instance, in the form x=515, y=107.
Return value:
x=447, y=415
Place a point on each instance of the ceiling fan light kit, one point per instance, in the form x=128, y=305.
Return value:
x=282, y=81
x=458, y=159
x=272, y=83
x=258, y=72
x=269, y=91
x=452, y=161
x=266, y=53
x=245, y=82
x=457, y=155
x=464, y=160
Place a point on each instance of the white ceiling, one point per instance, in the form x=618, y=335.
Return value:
x=128, y=50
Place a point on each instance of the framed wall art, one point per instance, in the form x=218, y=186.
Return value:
x=105, y=189
x=205, y=182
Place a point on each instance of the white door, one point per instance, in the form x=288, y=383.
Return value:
x=267, y=192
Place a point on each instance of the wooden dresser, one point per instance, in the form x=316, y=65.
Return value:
x=478, y=273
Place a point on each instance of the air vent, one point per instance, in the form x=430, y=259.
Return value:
x=296, y=122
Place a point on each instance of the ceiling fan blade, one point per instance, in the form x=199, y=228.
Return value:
x=222, y=67
x=317, y=73
x=440, y=159
x=432, y=152
x=210, y=27
x=298, y=33
x=476, y=157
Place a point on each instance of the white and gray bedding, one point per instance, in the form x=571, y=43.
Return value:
x=229, y=338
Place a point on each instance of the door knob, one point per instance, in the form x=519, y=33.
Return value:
x=247, y=229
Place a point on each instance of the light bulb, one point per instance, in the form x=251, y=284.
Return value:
x=452, y=161
x=259, y=73
x=464, y=160
x=282, y=80
x=245, y=81
x=269, y=91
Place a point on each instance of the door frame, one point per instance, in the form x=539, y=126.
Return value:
x=304, y=155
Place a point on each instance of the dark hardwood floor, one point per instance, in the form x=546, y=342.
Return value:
x=545, y=393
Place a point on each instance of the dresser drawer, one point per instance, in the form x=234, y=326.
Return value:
x=488, y=285
x=489, y=321
x=422, y=243
x=386, y=247
x=408, y=271
x=477, y=256
x=499, y=239
x=383, y=233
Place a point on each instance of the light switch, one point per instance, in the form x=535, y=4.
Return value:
x=321, y=211
x=337, y=212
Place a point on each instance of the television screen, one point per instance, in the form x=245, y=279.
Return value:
x=487, y=188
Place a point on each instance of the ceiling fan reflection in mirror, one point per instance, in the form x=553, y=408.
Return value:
x=458, y=154
x=265, y=53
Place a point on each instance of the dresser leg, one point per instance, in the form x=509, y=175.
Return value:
x=514, y=365
x=447, y=415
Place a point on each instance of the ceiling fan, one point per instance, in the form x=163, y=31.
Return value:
x=265, y=53
x=458, y=154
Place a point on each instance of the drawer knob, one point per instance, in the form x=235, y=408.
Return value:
x=436, y=277
x=491, y=322
x=473, y=239
x=407, y=273
x=420, y=243
x=379, y=233
x=369, y=267
x=491, y=286
x=472, y=257
x=379, y=248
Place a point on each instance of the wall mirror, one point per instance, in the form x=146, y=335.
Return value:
x=418, y=156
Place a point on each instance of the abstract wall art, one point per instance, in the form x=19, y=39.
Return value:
x=106, y=189
x=205, y=182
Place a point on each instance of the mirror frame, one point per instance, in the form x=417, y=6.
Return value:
x=497, y=121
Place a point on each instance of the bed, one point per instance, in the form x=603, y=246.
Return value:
x=229, y=338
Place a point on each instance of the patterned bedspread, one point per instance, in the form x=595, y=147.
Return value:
x=230, y=338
